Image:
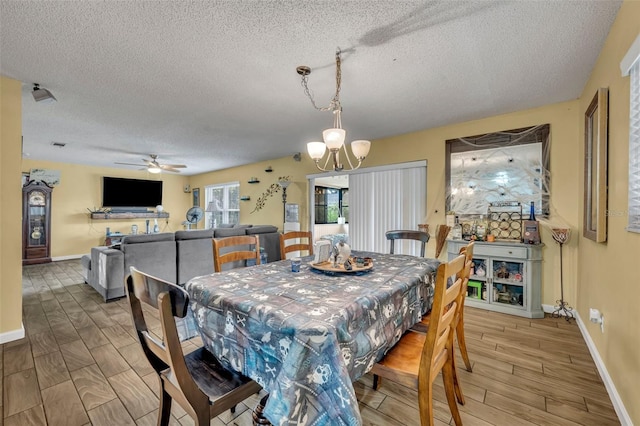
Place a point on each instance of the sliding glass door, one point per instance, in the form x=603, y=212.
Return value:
x=381, y=199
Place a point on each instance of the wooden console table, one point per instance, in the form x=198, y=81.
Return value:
x=133, y=215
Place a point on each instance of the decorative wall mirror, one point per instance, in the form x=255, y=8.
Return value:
x=595, y=167
x=511, y=165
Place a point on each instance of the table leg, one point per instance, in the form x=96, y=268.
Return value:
x=258, y=417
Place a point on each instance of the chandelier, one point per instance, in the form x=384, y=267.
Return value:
x=333, y=137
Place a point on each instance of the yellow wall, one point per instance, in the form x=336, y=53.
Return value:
x=606, y=275
x=10, y=205
x=430, y=145
x=73, y=232
x=273, y=211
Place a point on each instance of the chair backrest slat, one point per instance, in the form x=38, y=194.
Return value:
x=170, y=301
x=402, y=234
x=220, y=259
x=297, y=246
x=440, y=326
x=148, y=288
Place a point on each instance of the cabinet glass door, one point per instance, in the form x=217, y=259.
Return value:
x=37, y=218
x=507, y=279
x=477, y=287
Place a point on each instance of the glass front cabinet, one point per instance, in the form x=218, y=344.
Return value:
x=36, y=223
x=505, y=277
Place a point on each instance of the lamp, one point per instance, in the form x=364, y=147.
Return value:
x=284, y=184
x=335, y=136
x=154, y=169
x=211, y=208
x=561, y=236
x=42, y=95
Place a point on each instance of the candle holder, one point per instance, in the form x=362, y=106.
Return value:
x=561, y=236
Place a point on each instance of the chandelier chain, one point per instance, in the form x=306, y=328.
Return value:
x=334, y=104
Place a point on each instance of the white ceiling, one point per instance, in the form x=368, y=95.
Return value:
x=212, y=84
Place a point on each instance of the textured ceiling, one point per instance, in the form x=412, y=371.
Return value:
x=213, y=84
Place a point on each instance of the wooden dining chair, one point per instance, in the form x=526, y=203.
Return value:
x=417, y=358
x=243, y=245
x=197, y=381
x=421, y=236
x=423, y=325
x=297, y=244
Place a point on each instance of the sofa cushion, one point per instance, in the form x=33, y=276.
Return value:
x=238, y=226
x=156, y=257
x=261, y=229
x=148, y=238
x=228, y=232
x=194, y=254
x=194, y=235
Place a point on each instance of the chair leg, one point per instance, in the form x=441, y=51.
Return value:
x=376, y=381
x=456, y=383
x=448, y=379
x=233, y=409
x=425, y=404
x=164, y=411
x=203, y=417
x=462, y=343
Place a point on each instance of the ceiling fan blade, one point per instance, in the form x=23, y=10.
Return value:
x=169, y=169
x=148, y=162
x=173, y=166
x=130, y=164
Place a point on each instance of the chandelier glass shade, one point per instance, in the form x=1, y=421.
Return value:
x=333, y=138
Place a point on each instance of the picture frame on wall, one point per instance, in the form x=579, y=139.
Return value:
x=596, y=135
x=196, y=197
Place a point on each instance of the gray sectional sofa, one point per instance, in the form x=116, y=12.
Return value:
x=175, y=257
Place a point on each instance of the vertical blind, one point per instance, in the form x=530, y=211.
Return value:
x=634, y=150
x=630, y=65
x=385, y=200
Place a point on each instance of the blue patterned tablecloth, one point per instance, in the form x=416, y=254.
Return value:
x=304, y=337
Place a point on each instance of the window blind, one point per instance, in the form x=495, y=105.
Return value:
x=634, y=150
x=630, y=65
x=385, y=200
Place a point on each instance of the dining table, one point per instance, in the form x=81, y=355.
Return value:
x=306, y=336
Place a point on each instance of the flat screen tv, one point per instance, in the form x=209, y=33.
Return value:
x=121, y=192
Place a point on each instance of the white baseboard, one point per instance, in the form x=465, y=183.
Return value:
x=70, y=257
x=10, y=336
x=618, y=405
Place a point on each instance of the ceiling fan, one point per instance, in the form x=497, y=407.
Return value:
x=154, y=167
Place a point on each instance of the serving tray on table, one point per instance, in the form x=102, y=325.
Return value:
x=328, y=267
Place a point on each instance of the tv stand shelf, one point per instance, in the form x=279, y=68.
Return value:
x=131, y=215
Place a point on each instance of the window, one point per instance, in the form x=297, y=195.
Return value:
x=223, y=204
x=630, y=65
x=331, y=203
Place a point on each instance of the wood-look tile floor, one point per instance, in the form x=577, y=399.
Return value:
x=80, y=364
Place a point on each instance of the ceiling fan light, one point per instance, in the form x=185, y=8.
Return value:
x=154, y=169
x=334, y=138
x=360, y=149
x=316, y=150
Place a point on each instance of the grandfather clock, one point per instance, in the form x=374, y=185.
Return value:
x=36, y=223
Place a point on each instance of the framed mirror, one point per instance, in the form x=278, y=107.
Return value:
x=506, y=166
x=595, y=167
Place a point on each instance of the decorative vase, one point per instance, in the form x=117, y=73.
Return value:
x=343, y=251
